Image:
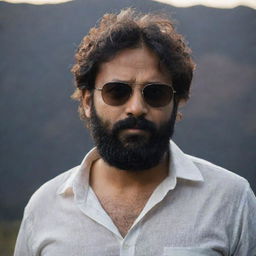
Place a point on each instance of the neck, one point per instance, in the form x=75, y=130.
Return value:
x=104, y=175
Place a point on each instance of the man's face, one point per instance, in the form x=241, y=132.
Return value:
x=134, y=135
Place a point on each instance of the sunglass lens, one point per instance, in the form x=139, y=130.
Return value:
x=158, y=95
x=116, y=94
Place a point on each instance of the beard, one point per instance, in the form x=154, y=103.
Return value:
x=132, y=152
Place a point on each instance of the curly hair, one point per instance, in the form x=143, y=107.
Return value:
x=130, y=29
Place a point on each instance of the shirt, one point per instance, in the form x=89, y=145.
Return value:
x=198, y=209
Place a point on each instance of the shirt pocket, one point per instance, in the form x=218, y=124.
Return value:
x=189, y=251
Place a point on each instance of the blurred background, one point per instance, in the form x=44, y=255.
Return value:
x=41, y=134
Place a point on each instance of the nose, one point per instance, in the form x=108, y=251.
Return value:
x=136, y=106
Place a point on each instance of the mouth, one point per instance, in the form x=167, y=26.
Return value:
x=133, y=137
x=133, y=131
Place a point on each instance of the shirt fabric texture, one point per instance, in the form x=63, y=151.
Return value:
x=198, y=209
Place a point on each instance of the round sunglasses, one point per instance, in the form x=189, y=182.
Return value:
x=154, y=94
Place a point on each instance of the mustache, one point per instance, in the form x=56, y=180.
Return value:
x=134, y=123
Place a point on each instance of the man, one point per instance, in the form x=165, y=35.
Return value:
x=137, y=193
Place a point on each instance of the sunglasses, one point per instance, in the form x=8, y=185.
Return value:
x=155, y=94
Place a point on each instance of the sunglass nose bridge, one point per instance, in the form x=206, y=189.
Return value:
x=136, y=105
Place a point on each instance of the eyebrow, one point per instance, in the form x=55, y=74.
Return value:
x=132, y=82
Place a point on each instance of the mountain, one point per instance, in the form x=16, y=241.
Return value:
x=41, y=134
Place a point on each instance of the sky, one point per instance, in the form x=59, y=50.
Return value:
x=177, y=3
x=211, y=3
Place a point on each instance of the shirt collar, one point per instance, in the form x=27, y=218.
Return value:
x=181, y=166
x=79, y=175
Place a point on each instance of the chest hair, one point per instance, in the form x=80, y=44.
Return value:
x=124, y=210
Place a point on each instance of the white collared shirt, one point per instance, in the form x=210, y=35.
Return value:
x=198, y=209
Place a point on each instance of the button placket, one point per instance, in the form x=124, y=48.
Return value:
x=128, y=244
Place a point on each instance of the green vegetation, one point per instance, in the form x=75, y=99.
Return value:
x=8, y=235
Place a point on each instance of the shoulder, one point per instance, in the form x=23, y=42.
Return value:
x=230, y=197
x=219, y=178
x=225, y=190
x=47, y=194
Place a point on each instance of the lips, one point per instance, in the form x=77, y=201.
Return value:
x=134, y=131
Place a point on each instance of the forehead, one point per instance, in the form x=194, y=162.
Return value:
x=134, y=65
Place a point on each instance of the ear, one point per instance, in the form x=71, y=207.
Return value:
x=86, y=101
x=182, y=103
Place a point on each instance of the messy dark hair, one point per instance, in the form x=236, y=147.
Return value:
x=129, y=29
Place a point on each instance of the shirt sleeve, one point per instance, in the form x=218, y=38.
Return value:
x=246, y=226
x=23, y=242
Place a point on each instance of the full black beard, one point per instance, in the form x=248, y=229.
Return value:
x=133, y=152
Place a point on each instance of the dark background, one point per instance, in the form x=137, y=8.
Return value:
x=41, y=134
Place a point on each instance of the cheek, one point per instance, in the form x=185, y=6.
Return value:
x=107, y=113
x=97, y=98
x=161, y=115
x=99, y=104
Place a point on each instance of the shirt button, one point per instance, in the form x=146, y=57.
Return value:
x=126, y=246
